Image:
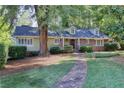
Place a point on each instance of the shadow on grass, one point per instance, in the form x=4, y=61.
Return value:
x=39, y=77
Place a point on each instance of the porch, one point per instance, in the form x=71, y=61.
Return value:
x=97, y=44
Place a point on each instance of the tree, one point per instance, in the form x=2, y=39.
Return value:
x=7, y=20
x=51, y=16
x=110, y=19
x=24, y=18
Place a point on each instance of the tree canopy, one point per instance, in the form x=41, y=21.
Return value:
x=7, y=17
x=109, y=19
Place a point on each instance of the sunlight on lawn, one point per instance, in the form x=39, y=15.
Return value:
x=104, y=54
x=38, y=77
x=104, y=73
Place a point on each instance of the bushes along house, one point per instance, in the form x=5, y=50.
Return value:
x=111, y=46
x=3, y=55
x=17, y=52
x=86, y=49
x=67, y=49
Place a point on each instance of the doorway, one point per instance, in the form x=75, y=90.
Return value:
x=72, y=42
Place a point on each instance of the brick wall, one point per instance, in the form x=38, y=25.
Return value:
x=92, y=42
x=83, y=42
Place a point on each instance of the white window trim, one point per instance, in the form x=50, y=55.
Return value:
x=101, y=43
x=28, y=45
x=73, y=31
x=57, y=40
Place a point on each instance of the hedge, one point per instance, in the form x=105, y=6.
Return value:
x=32, y=53
x=3, y=55
x=111, y=46
x=86, y=49
x=67, y=49
x=17, y=52
x=55, y=50
x=122, y=45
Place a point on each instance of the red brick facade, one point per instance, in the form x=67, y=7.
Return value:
x=83, y=42
x=92, y=42
x=98, y=45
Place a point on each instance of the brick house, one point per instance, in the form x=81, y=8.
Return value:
x=29, y=36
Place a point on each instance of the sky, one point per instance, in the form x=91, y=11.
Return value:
x=26, y=16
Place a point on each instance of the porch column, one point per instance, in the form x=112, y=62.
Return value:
x=103, y=43
x=78, y=43
x=88, y=42
x=63, y=42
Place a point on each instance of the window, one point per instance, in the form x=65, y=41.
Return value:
x=97, y=32
x=100, y=42
x=73, y=31
x=57, y=41
x=24, y=41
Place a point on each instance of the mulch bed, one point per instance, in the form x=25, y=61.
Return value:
x=14, y=66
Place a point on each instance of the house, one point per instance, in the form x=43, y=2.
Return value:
x=29, y=36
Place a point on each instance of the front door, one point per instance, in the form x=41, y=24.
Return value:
x=72, y=42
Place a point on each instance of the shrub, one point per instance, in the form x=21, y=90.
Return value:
x=122, y=45
x=55, y=50
x=17, y=52
x=32, y=53
x=3, y=55
x=68, y=49
x=111, y=46
x=86, y=49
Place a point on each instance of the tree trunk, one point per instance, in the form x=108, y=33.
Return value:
x=43, y=40
x=43, y=37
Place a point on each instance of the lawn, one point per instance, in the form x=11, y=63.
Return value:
x=104, y=73
x=121, y=53
x=38, y=77
x=102, y=54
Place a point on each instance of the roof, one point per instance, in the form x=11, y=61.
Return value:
x=25, y=31
x=79, y=33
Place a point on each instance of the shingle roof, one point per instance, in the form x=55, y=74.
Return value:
x=87, y=33
x=33, y=31
x=53, y=33
x=25, y=31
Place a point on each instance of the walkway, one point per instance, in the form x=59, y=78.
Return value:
x=76, y=77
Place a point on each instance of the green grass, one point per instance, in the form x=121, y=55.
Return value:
x=102, y=54
x=121, y=53
x=103, y=73
x=38, y=77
